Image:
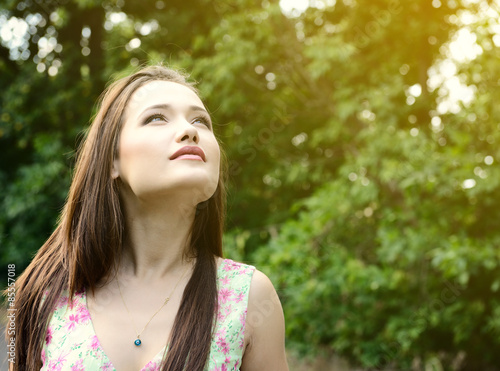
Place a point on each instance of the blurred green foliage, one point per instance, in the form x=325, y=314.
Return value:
x=360, y=183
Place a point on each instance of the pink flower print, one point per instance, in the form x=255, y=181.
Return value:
x=220, y=316
x=43, y=356
x=84, y=314
x=224, y=295
x=235, y=265
x=245, y=271
x=225, y=281
x=78, y=366
x=228, y=267
x=94, y=344
x=222, y=368
x=48, y=337
x=151, y=366
x=223, y=313
x=73, y=321
x=107, y=367
x=239, y=297
x=223, y=345
x=63, y=300
x=57, y=364
x=221, y=333
x=243, y=317
x=227, y=360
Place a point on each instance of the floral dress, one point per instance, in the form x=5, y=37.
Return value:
x=71, y=343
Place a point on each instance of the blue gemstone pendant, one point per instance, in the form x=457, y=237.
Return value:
x=137, y=342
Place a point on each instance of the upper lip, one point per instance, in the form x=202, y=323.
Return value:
x=189, y=150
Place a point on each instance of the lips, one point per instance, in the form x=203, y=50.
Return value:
x=189, y=152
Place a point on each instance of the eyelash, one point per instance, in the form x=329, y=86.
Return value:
x=203, y=119
x=153, y=116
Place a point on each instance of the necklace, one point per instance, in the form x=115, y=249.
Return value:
x=138, y=341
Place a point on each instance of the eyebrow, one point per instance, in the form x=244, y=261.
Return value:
x=168, y=106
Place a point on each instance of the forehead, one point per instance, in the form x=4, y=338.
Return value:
x=163, y=92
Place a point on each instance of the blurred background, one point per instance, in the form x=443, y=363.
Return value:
x=363, y=144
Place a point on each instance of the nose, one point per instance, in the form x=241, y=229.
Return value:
x=187, y=132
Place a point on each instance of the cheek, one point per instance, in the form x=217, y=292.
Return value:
x=127, y=154
x=213, y=150
x=135, y=156
x=215, y=154
x=141, y=147
x=129, y=146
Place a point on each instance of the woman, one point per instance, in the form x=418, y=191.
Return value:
x=133, y=276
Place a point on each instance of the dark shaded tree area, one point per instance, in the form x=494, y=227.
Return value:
x=363, y=146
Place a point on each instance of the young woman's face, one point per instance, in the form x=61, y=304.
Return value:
x=162, y=118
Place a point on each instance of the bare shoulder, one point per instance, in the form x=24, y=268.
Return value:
x=265, y=327
x=261, y=288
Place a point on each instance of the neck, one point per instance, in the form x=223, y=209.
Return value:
x=157, y=238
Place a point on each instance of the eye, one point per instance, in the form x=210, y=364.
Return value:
x=157, y=117
x=202, y=120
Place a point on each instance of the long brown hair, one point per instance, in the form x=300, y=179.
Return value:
x=88, y=240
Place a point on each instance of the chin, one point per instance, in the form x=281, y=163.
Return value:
x=194, y=189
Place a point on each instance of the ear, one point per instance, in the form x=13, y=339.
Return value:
x=115, y=174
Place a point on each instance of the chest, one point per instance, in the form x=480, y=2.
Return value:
x=118, y=323
x=98, y=332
